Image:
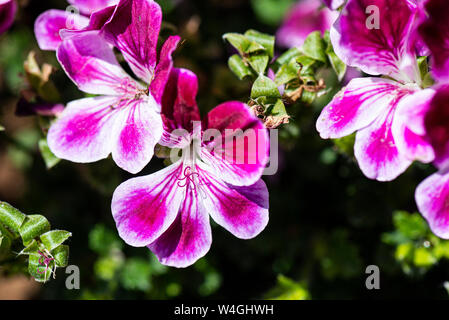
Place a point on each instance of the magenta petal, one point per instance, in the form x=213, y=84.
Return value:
x=408, y=126
x=8, y=10
x=51, y=22
x=376, y=151
x=432, y=197
x=188, y=239
x=140, y=129
x=163, y=68
x=386, y=50
x=235, y=209
x=85, y=131
x=144, y=208
x=435, y=32
x=437, y=126
x=241, y=156
x=356, y=106
x=134, y=30
x=90, y=6
x=179, y=107
x=304, y=18
x=91, y=64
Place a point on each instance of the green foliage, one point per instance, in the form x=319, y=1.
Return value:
x=43, y=246
x=49, y=158
x=271, y=12
x=417, y=249
x=288, y=289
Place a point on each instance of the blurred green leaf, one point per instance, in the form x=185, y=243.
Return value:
x=337, y=64
x=288, y=289
x=271, y=12
x=50, y=159
x=103, y=240
x=315, y=47
x=11, y=217
x=136, y=275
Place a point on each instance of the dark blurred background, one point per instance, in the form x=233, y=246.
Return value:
x=327, y=221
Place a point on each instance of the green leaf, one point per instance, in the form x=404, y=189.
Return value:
x=265, y=40
x=259, y=62
x=37, y=268
x=53, y=239
x=103, y=240
x=50, y=159
x=315, y=47
x=288, y=289
x=11, y=218
x=242, y=43
x=33, y=227
x=423, y=66
x=264, y=87
x=5, y=247
x=345, y=145
x=288, y=56
x=412, y=226
x=337, y=64
x=278, y=109
x=238, y=67
x=61, y=256
x=424, y=258
x=31, y=248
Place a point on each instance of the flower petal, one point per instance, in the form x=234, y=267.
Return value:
x=408, y=126
x=91, y=64
x=376, y=150
x=188, y=239
x=85, y=131
x=432, y=197
x=435, y=33
x=8, y=10
x=334, y=4
x=240, y=157
x=163, y=68
x=90, y=6
x=304, y=18
x=134, y=30
x=437, y=126
x=235, y=209
x=385, y=50
x=356, y=107
x=49, y=24
x=140, y=130
x=144, y=208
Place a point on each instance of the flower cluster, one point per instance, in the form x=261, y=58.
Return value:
x=222, y=157
x=401, y=116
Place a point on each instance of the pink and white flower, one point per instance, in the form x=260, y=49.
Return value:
x=124, y=119
x=8, y=9
x=168, y=211
x=374, y=107
x=304, y=18
x=48, y=25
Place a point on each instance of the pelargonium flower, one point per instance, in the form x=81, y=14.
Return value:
x=48, y=25
x=304, y=18
x=168, y=211
x=124, y=119
x=8, y=9
x=373, y=107
x=334, y=4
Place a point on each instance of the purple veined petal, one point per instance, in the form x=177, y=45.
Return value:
x=91, y=64
x=86, y=131
x=140, y=130
x=179, y=107
x=376, y=151
x=334, y=4
x=51, y=22
x=304, y=18
x=188, y=239
x=134, y=30
x=435, y=32
x=437, y=126
x=97, y=20
x=233, y=208
x=356, y=106
x=431, y=197
x=88, y=7
x=144, y=208
x=408, y=126
x=8, y=10
x=163, y=68
x=241, y=155
x=386, y=50
x=46, y=109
